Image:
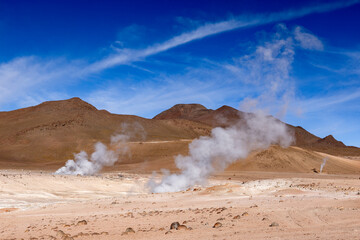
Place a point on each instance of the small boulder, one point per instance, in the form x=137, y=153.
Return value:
x=314, y=170
x=274, y=224
x=82, y=222
x=129, y=230
x=174, y=225
x=217, y=225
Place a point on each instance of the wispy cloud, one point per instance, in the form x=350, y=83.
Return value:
x=126, y=56
x=36, y=79
x=23, y=77
x=262, y=77
x=331, y=102
x=161, y=92
x=307, y=40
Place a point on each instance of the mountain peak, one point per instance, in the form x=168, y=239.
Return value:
x=330, y=140
x=74, y=103
x=185, y=111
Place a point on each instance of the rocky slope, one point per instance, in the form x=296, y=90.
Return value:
x=46, y=135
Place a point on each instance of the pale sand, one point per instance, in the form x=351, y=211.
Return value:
x=306, y=206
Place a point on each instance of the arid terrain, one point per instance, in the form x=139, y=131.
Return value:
x=275, y=193
x=251, y=205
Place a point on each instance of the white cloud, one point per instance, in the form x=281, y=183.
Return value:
x=159, y=93
x=307, y=40
x=22, y=79
x=126, y=56
x=262, y=75
x=331, y=102
x=32, y=77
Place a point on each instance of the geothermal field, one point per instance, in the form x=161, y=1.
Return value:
x=190, y=172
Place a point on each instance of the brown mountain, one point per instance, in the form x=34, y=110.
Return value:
x=223, y=116
x=226, y=116
x=46, y=135
x=52, y=131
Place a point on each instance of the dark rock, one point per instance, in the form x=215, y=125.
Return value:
x=245, y=214
x=217, y=225
x=274, y=224
x=129, y=230
x=82, y=222
x=174, y=225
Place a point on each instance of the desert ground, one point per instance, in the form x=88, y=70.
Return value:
x=233, y=205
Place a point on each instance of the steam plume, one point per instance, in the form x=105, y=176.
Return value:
x=84, y=165
x=223, y=147
x=102, y=156
x=267, y=69
x=323, y=164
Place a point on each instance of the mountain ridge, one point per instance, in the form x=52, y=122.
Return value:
x=49, y=133
x=225, y=116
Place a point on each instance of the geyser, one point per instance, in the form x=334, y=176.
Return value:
x=323, y=164
x=223, y=147
x=83, y=164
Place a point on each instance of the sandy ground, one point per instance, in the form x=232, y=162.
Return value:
x=39, y=205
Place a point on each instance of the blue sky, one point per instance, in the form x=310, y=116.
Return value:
x=297, y=60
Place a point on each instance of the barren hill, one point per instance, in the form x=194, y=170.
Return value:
x=46, y=135
x=52, y=131
x=226, y=116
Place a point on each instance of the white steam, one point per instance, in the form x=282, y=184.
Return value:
x=267, y=70
x=83, y=164
x=323, y=164
x=225, y=145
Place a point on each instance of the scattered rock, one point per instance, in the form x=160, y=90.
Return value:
x=274, y=224
x=245, y=214
x=129, y=230
x=236, y=217
x=82, y=222
x=217, y=225
x=174, y=225
x=264, y=219
x=63, y=236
